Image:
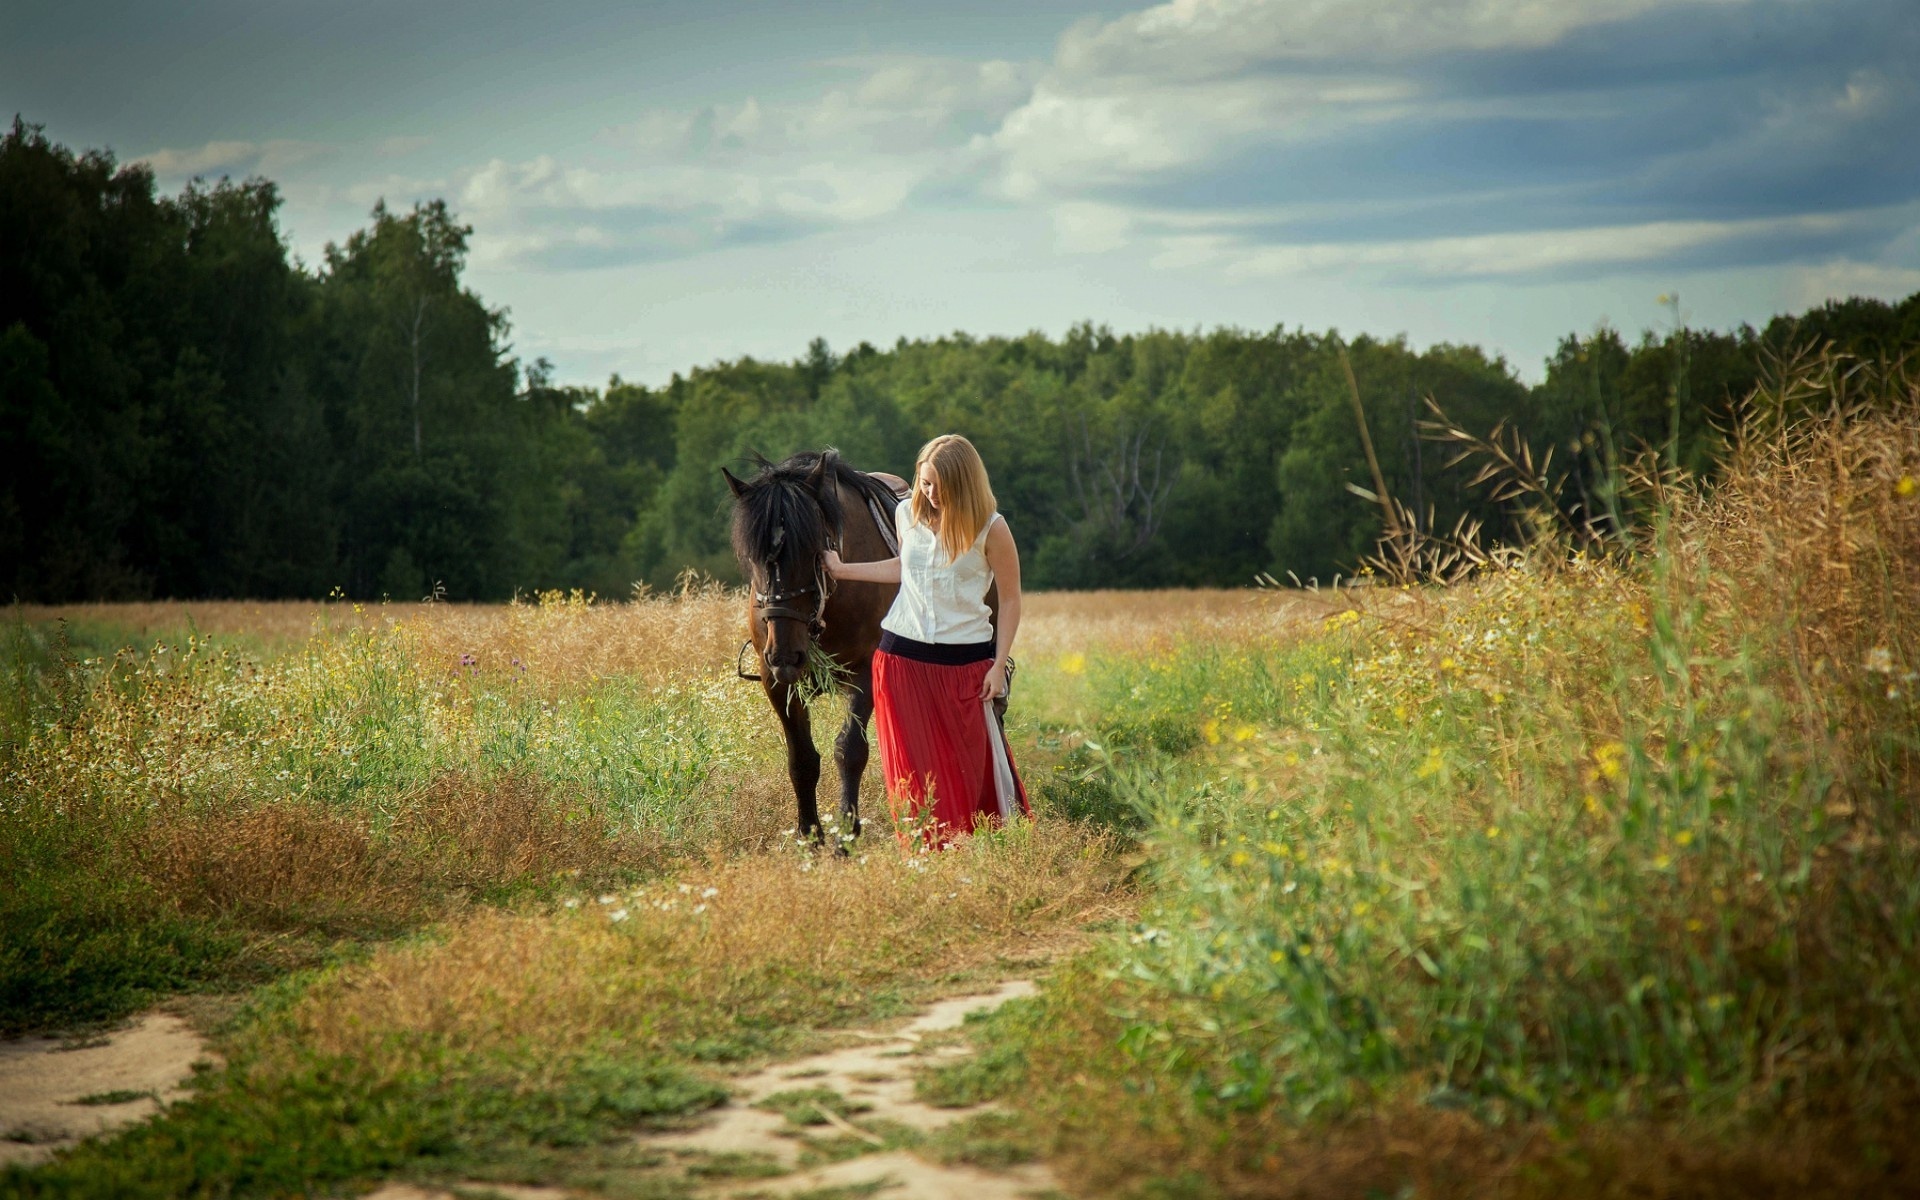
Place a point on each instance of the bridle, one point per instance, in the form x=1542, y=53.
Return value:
x=776, y=604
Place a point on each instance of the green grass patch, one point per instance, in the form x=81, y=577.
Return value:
x=994, y=1140
x=117, y=1096
x=997, y=1065
x=335, y=1121
x=810, y=1106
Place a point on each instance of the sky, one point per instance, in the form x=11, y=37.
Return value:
x=653, y=186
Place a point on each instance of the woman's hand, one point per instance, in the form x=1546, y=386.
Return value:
x=834, y=565
x=994, y=685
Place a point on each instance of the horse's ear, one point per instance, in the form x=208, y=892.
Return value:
x=817, y=478
x=738, y=488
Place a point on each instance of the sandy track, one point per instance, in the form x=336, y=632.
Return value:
x=876, y=1071
x=43, y=1080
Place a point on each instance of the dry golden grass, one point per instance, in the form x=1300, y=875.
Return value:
x=1816, y=528
x=767, y=943
x=302, y=866
x=1056, y=623
x=275, y=624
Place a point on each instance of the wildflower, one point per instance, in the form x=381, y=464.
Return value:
x=709, y=893
x=698, y=909
x=1906, y=486
x=1879, y=661
x=618, y=914
x=1493, y=831
x=573, y=903
x=608, y=899
x=1683, y=838
x=1074, y=664
x=1607, y=758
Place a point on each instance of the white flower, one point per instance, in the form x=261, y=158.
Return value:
x=618, y=914
x=1880, y=660
x=685, y=888
x=698, y=909
x=609, y=899
x=709, y=893
x=573, y=903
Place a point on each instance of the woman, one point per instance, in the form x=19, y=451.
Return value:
x=942, y=661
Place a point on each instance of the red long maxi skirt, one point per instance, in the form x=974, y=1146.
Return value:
x=942, y=749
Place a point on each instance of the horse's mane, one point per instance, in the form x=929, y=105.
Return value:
x=781, y=522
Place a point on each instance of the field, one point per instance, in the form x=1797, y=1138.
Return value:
x=1587, y=876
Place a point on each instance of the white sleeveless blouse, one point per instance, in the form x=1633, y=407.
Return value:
x=940, y=601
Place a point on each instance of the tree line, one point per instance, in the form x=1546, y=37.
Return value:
x=187, y=411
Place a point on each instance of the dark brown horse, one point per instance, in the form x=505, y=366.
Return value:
x=784, y=520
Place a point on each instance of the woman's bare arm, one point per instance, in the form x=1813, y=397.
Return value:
x=887, y=570
x=1003, y=556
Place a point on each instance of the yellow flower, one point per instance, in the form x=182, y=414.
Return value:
x=1683, y=838
x=1211, y=730
x=1074, y=663
x=1242, y=732
x=1905, y=487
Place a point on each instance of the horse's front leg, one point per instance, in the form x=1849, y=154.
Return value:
x=850, y=752
x=803, y=760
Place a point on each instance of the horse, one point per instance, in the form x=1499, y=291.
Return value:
x=784, y=520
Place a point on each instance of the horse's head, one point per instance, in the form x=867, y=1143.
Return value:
x=784, y=520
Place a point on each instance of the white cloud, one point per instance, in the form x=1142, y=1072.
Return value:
x=1805, y=287
x=1488, y=255
x=269, y=158
x=1206, y=39
x=1089, y=228
x=680, y=182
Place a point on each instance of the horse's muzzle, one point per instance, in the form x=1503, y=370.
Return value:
x=785, y=667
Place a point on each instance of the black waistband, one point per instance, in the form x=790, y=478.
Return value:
x=940, y=654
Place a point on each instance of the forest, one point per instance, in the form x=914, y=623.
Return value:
x=188, y=411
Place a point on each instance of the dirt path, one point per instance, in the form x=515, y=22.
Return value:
x=53, y=1093
x=875, y=1075
x=747, y=1148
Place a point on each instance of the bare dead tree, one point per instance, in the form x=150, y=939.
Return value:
x=413, y=328
x=1117, y=486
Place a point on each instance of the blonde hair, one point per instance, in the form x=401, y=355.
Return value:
x=966, y=498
